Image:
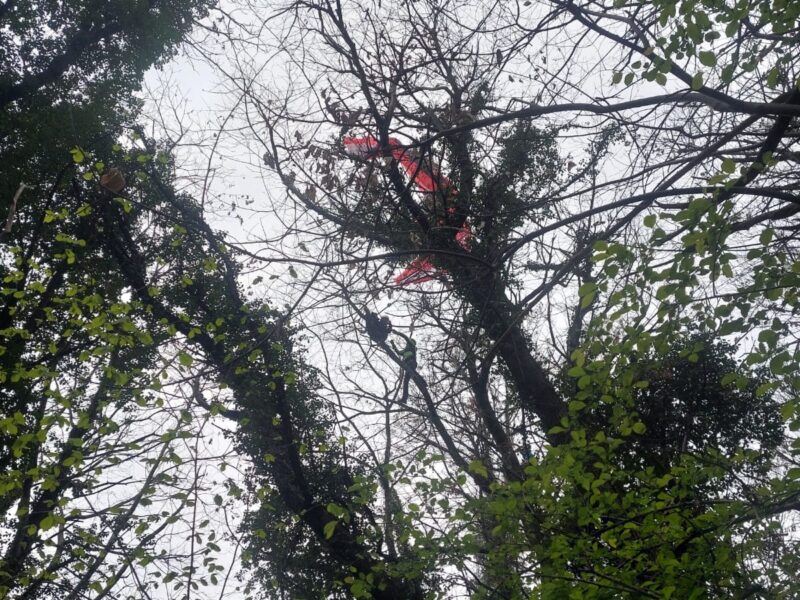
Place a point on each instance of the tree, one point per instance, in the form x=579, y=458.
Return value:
x=75, y=361
x=687, y=410
x=589, y=197
x=68, y=74
x=76, y=259
x=90, y=435
x=587, y=250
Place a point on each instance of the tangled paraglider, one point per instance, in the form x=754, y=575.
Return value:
x=429, y=181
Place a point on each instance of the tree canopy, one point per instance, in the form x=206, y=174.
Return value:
x=514, y=314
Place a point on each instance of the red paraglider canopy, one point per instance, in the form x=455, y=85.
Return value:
x=428, y=180
x=419, y=270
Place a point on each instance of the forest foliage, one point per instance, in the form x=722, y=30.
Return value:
x=592, y=394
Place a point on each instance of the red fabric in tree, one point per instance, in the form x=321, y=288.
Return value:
x=418, y=270
x=427, y=180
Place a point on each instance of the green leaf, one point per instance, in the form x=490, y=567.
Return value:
x=708, y=59
x=772, y=78
x=587, y=293
x=769, y=337
x=77, y=155
x=694, y=32
x=665, y=291
x=776, y=365
x=576, y=372
x=329, y=528
x=728, y=166
x=172, y=575
x=588, y=299
x=576, y=405
x=47, y=523
x=763, y=389
x=697, y=81
x=478, y=468
x=185, y=359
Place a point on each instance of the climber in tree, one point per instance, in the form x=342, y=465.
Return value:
x=408, y=362
x=378, y=329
